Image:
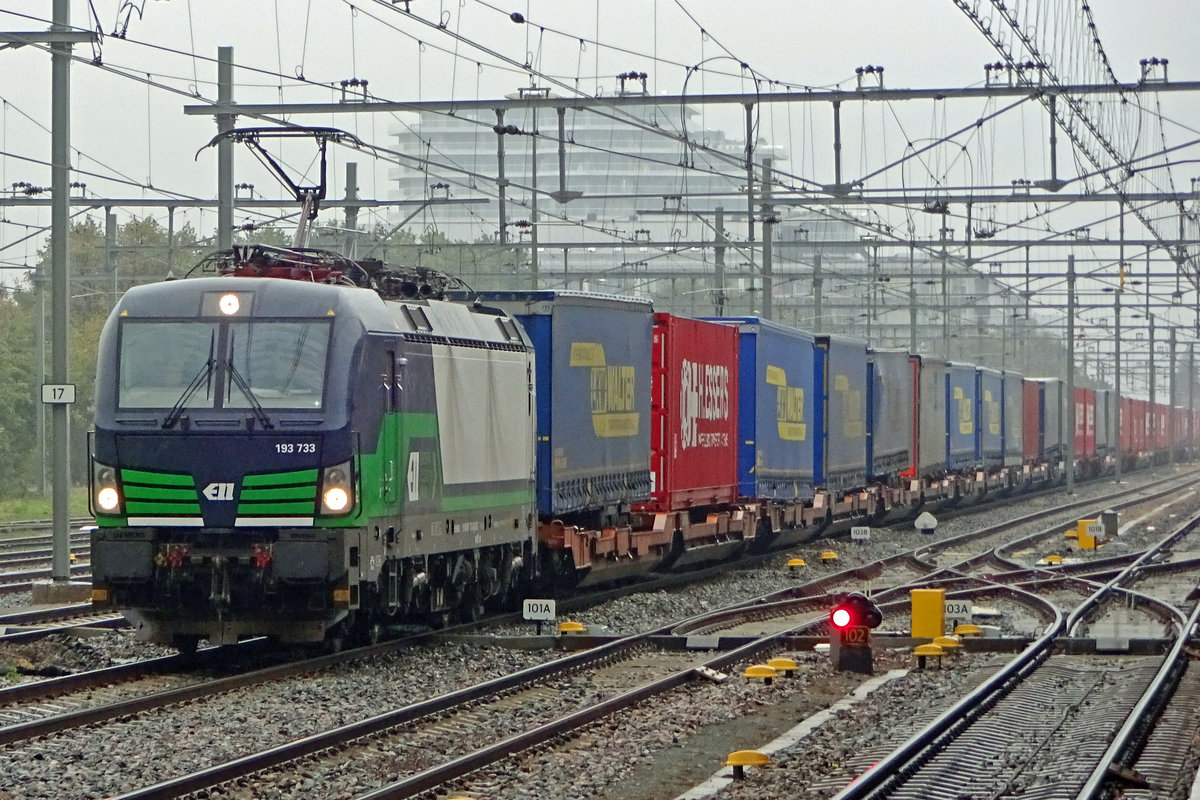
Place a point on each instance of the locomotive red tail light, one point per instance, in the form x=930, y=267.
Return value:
x=174, y=555
x=261, y=556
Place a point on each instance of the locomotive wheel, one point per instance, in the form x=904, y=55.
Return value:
x=335, y=638
x=186, y=643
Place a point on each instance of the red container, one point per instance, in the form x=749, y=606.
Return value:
x=693, y=437
x=1031, y=419
x=1085, y=423
x=1152, y=425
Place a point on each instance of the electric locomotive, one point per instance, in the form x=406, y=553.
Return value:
x=304, y=458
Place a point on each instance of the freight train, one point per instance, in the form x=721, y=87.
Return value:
x=309, y=448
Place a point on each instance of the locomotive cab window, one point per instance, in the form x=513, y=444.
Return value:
x=159, y=360
x=283, y=363
x=201, y=364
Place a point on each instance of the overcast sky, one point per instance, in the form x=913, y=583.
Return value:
x=128, y=119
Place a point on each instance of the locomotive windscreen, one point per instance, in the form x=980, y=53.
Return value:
x=282, y=362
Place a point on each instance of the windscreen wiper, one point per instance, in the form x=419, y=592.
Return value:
x=255, y=406
x=180, y=406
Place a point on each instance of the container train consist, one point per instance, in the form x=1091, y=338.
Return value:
x=307, y=447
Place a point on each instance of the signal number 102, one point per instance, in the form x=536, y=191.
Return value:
x=295, y=447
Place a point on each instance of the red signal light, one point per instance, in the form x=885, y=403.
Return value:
x=841, y=617
x=855, y=611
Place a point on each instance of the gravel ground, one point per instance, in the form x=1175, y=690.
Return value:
x=104, y=760
x=662, y=749
x=63, y=653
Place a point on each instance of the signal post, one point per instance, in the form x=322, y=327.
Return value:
x=851, y=621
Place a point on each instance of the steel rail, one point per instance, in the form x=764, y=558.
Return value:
x=1123, y=749
x=220, y=773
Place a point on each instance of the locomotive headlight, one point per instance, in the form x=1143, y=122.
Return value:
x=229, y=304
x=337, y=489
x=108, y=499
x=105, y=490
x=336, y=499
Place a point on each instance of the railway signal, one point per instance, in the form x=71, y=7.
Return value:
x=851, y=621
x=855, y=610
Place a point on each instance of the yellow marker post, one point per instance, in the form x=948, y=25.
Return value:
x=924, y=651
x=949, y=644
x=1086, y=534
x=784, y=666
x=760, y=672
x=741, y=759
x=928, y=613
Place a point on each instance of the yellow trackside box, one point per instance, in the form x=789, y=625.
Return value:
x=928, y=612
x=1086, y=534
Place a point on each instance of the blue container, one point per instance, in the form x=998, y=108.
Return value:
x=960, y=415
x=1014, y=418
x=593, y=404
x=840, y=412
x=989, y=416
x=776, y=427
x=891, y=425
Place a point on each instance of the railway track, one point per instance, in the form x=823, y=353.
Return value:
x=1081, y=721
x=20, y=526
